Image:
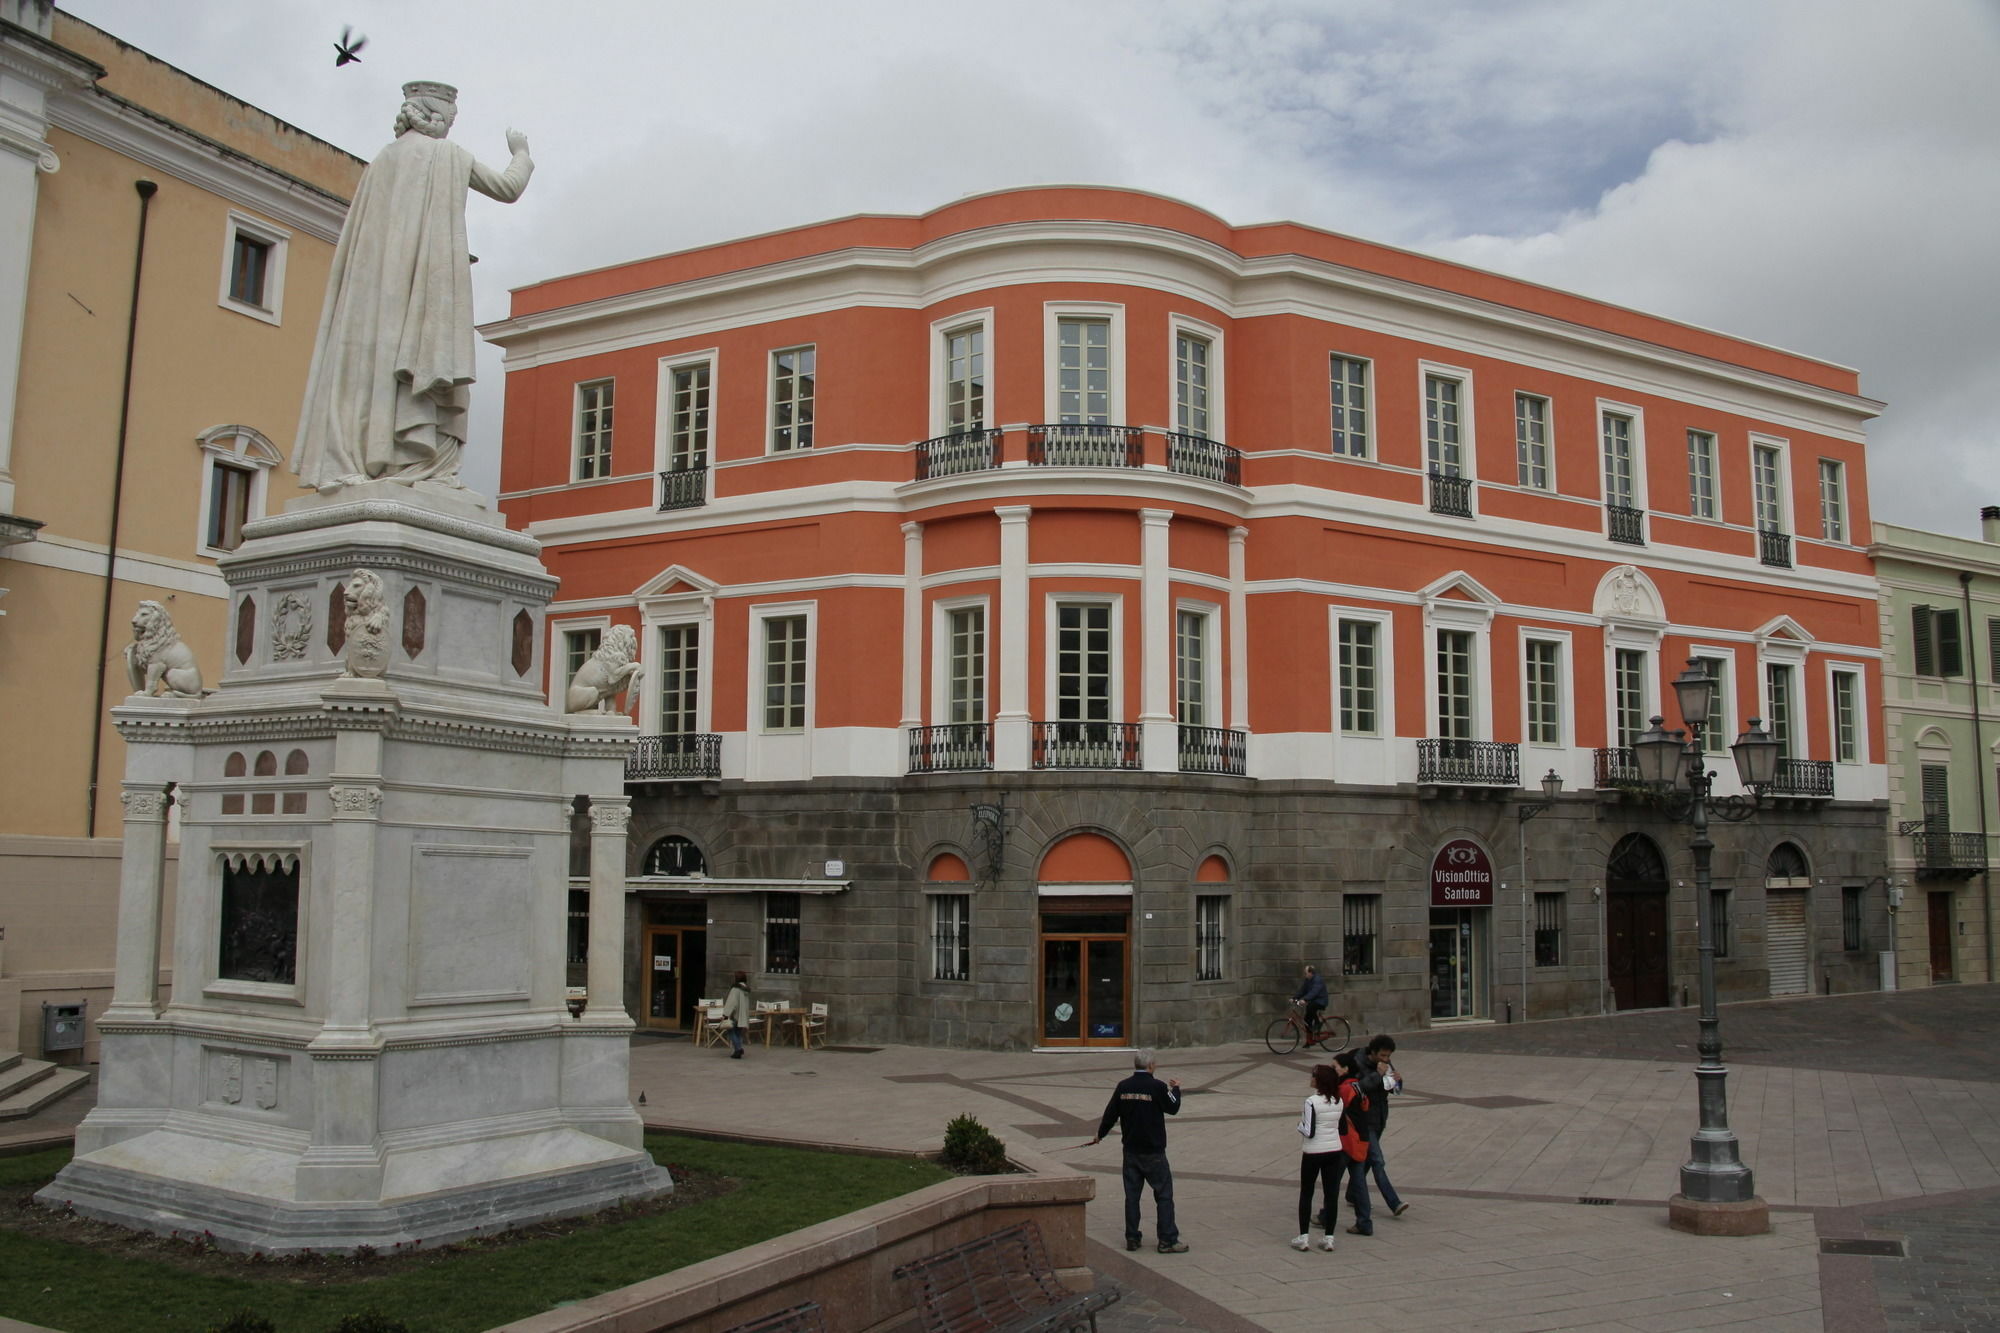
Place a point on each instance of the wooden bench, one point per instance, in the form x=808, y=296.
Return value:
x=799, y=1319
x=1000, y=1282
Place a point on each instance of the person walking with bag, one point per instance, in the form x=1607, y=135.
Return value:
x=1376, y=1079
x=1320, y=1159
x=1140, y=1105
x=736, y=1012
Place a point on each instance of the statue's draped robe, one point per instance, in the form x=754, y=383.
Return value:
x=387, y=391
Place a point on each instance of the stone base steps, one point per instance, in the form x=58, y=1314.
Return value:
x=26, y=1086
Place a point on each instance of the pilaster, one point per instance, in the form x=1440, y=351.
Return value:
x=1011, y=723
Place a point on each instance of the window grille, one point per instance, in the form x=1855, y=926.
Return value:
x=1360, y=930
x=1852, y=898
x=781, y=933
x=1550, y=909
x=951, y=937
x=1210, y=921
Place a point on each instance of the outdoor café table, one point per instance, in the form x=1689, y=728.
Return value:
x=786, y=1015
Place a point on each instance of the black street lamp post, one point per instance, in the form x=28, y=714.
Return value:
x=1717, y=1196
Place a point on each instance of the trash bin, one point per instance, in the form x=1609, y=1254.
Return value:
x=62, y=1027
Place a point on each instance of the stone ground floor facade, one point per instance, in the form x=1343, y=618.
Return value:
x=1107, y=909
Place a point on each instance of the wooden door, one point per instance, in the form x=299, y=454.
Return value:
x=1941, y=950
x=1636, y=950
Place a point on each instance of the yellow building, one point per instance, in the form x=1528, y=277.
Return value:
x=163, y=257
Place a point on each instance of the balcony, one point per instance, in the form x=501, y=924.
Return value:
x=955, y=747
x=1199, y=456
x=1211, y=750
x=1086, y=745
x=1085, y=446
x=959, y=453
x=1451, y=494
x=1774, y=548
x=684, y=488
x=1946, y=855
x=1625, y=524
x=1456, y=763
x=1803, y=779
x=687, y=756
x=1614, y=766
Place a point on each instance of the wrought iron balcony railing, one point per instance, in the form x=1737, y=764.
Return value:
x=1774, y=548
x=690, y=754
x=1942, y=852
x=1451, y=494
x=1199, y=456
x=963, y=451
x=1626, y=524
x=1447, y=762
x=1085, y=446
x=1211, y=750
x=954, y=747
x=684, y=487
x=1086, y=745
x=1615, y=766
x=1811, y=778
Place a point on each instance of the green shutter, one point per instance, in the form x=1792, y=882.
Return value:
x=1950, y=644
x=1920, y=641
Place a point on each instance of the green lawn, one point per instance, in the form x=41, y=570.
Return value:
x=84, y=1290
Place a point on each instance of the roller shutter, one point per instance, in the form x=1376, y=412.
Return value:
x=1786, y=941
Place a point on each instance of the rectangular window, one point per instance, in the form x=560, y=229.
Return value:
x=1832, y=500
x=1531, y=440
x=578, y=645
x=965, y=628
x=249, y=270
x=1936, y=791
x=1937, y=645
x=228, y=505
x=1350, y=407
x=1083, y=371
x=259, y=920
x=1454, y=684
x=1628, y=671
x=1443, y=446
x=1083, y=662
x=781, y=933
x=1764, y=472
x=1542, y=669
x=951, y=936
x=1358, y=677
x=1852, y=938
x=1718, y=919
x=1846, y=717
x=577, y=953
x=1701, y=475
x=792, y=396
x=680, y=673
x=1210, y=933
x=593, y=430
x=1778, y=691
x=1191, y=384
x=1191, y=668
x=1360, y=934
x=1993, y=647
x=687, y=420
x=965, y=380
x=1549, y=912
x=1715, y=736
x=1618, y=474
x=785, y=673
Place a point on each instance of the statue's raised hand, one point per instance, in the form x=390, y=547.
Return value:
x=517, y=142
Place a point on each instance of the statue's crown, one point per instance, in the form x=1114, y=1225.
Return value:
x=436, y=92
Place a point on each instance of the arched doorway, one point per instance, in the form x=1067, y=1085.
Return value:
x=674, y=958
x=1787, y=920
x=1636, y=944
x=1084, y=896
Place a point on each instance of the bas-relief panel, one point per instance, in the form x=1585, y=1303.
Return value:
x=471, y=915
x=246, y=1079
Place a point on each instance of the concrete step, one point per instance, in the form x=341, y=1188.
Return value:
x=43, y=1084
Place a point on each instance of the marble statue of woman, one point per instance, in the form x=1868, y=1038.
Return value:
x=386, y=396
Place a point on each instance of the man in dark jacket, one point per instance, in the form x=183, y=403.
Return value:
x=1378, y=1078
x=1140, y=1105
x=1312, y=994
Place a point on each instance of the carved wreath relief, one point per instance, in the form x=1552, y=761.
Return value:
x=291, y=628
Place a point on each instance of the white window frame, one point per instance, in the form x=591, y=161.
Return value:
x=981, y=319
x=239, y=447
x=1053, y=313
x=576, y=410
x=1631, y=639
x=557, y=657
x=1211, y=664
x=1782, y=447
x=1468, y=434
x=1641, y=501
x=1714, y=456
x=760, y=614
x=1714, y=741
x=651, y=709
x=1450, y=614
x=1834, y=505
x=1548, y=487
x=1565, y=692
x=1367, y=365
x=1050, y=629
x=1840, y=667
x=242, y=224
x=1786, y=653
x=1385, y=670
x=663, y=417
x=941, y=613
x=771, y=449
x=1179, y=326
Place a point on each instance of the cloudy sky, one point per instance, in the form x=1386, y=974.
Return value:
x=1823, y=175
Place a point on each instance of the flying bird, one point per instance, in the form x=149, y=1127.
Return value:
x=349, y=48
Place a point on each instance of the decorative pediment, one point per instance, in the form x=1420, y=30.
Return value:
x=242, y=444
x=1458, y=586
x=677, y=582
x=1627, y=593
x=1784, y=627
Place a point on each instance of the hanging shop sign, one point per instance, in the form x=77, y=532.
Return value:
x=1461, y=875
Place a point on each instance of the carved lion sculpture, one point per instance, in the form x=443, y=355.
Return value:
x=367, y=625
x=156, y=659
x=609, y=673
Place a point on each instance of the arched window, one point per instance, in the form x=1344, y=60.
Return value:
x=1636, y=860
x=1787, y=862
x=676, y=856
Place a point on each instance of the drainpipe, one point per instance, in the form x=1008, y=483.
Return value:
x=1979, y=757
x=146, y=191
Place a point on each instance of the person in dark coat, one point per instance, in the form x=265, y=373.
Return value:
x=1312, y=995
x=1377, y=1078
x=1140, y=1105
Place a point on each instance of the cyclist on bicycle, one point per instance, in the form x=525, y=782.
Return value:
x=1312, y=995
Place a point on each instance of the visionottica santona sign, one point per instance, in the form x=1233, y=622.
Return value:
x=1461, y=875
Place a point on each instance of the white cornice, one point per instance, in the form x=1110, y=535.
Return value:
x=146, y=138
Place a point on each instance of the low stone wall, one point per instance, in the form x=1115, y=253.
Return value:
x=847, y=1265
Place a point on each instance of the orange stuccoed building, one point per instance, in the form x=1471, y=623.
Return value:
x=1064, y=615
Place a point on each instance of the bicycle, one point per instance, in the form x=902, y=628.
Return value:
x=1286, y=1032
